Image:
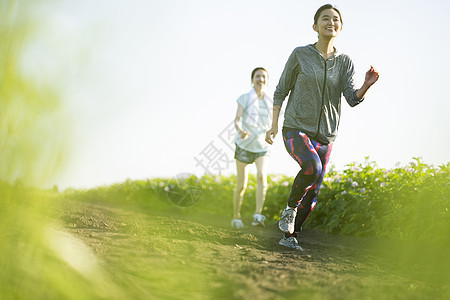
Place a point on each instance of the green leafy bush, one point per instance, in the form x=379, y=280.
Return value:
x=408, y=202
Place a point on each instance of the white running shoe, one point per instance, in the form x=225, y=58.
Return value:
x=287, y=220
x=258, y=220
x=290, y=242
x=237, y=223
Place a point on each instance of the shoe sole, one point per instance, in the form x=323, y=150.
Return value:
x=283, y=230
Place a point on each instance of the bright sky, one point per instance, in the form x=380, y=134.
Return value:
x=152, y=85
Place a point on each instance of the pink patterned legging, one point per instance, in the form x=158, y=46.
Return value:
x=312, y=158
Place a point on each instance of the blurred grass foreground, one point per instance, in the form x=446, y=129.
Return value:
x=31, y=151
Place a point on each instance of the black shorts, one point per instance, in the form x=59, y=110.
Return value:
x=247, y=156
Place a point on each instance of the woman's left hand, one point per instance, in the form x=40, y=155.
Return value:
x=371, y=76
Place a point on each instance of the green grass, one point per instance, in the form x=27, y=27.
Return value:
x=91, y=245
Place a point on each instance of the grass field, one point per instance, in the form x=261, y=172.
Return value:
x=65, y=246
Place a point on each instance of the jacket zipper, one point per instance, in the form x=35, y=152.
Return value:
x=323, y=97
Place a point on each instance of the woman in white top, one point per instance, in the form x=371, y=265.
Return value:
x=253, y=119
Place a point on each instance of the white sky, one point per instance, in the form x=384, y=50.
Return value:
x=150, y=84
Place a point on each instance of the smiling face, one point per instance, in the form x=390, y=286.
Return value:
x=259, y=79
x=328, y=24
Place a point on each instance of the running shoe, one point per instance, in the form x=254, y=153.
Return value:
x=287, y=220
x=258, y=220
x=237, y=223
x=290, y=242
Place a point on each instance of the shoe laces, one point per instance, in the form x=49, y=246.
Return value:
x=292, y=240
x=289, y=217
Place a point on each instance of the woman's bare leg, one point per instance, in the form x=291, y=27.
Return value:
x=241, y=185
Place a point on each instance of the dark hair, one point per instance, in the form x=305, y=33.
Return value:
x=257, y=69
x=322, y=8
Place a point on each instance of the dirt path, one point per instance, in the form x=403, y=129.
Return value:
x=161, y=256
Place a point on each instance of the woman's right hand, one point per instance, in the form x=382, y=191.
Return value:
x=244, y=134
x=270, y=135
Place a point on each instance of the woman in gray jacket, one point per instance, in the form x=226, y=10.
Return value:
x=316, y=76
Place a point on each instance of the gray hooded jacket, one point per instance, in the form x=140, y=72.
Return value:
x=316, y=85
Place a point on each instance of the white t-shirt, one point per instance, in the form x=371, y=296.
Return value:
x=255, y=142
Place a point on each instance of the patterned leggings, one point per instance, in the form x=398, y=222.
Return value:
x=312, y=158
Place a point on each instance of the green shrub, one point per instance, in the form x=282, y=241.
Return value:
x=408, y=202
